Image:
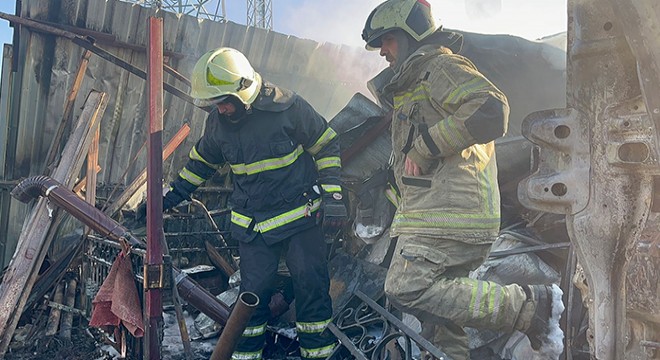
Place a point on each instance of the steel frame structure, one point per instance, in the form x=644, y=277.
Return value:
x=203, y=9
x=260, y=14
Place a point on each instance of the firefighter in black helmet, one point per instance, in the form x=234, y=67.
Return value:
x=446, y=116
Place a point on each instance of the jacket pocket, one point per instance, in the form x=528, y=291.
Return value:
x=421, y=253
x=416, y=181
x=417, y=270
x=281, y=148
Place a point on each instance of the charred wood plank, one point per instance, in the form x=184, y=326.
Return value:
x=37, y=235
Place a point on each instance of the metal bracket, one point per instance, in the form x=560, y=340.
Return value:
x=158, y=276
x=560, y=181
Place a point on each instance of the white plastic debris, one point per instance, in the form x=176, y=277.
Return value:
x=555, y=345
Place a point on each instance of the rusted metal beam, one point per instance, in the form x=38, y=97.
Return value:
x=154, y=258
x=35, y=239
x=141, y=179
x=236, y=324
x=170, y=70
x=108, y=39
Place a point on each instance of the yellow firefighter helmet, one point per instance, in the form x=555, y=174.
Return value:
x=222, y=72
x=412, y=16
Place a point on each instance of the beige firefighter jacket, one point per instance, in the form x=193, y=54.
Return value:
x=446, y=117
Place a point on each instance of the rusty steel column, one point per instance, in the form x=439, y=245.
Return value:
x=245, y=306
x=153, y=261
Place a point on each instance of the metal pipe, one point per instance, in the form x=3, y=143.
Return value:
x=199, y=297
x=70, y=301
x=33, y=187
x=245, y=306
x=54, y=318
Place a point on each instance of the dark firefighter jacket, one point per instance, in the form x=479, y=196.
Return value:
x=277, y=154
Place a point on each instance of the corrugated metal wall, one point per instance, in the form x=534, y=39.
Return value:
x=325, y=74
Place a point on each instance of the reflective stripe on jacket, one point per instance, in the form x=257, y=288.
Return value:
x=446, y=117
x=277, y=154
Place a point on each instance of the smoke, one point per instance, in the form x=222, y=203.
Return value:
x=482, y=8
x=341, y=21
x=337, y=21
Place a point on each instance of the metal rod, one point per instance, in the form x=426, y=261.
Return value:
x=571, y=264
x=529, y=249
x=231, y=262
x=236, y=324
x=154, y=257
x=345, y=340
x=130, y=190
x=170, y=70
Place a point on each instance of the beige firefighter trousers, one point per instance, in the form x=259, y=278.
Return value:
x=428, y=279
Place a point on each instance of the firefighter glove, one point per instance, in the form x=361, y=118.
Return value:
x=332, y=214
x=170, y=200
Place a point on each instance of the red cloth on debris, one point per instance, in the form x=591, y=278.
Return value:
x=117, y=300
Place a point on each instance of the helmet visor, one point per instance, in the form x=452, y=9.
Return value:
x=211, y=101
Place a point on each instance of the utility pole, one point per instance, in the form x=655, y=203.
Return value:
x=260, y=14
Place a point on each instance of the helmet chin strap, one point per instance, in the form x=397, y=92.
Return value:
x=405, y=47
x=241, y=110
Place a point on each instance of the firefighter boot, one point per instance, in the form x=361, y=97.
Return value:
x=537, y=310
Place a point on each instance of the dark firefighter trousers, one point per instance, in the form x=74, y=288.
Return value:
x=305, y=255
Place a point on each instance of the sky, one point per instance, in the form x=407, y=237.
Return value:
x=341, y=21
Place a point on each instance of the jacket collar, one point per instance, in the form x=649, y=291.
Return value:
x=404, y=77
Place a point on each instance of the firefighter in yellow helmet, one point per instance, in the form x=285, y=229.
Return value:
x=446, y=116
x=285, y=164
